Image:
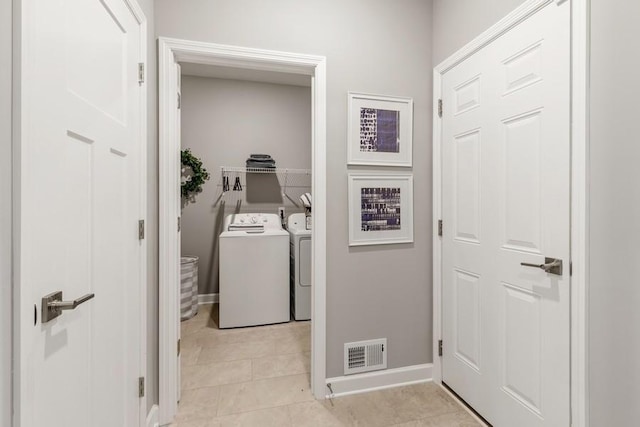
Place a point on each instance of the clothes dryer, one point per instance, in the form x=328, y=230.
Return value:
x=300, y=270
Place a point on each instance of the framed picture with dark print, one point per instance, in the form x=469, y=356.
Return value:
x=380, y=209
x=380, y=130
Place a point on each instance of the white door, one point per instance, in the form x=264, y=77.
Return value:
x=506, y=160
x=81, y=169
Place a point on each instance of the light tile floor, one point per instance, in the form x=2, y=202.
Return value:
x=259, y=377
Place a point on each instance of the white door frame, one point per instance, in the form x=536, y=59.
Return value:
x=174, y=50
x=22, y=292
x=579, y=189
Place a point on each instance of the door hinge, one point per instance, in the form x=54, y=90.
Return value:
x=141, y=229
x=140, y=73
x=439, y=107
x=440, y=348
x=440, y=227
x=179, y=224
x=178, y=346
x=179, y=100
x=141, y=387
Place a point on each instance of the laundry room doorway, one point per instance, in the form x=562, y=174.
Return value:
x=245, y=217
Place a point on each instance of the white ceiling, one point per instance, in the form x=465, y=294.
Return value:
x=230, y=73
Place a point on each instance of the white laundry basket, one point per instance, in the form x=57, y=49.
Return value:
x=188, y=287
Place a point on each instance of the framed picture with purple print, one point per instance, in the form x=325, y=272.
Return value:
x=380, y=209
x=380, y=130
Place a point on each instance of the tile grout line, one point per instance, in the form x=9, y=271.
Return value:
x=244, y=382
x=273, y=356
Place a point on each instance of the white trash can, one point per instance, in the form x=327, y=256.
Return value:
x=188, y=287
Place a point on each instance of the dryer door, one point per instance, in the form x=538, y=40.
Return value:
x=304, y=255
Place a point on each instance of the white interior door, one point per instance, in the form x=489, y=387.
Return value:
x=79, y=207
x=506, y=189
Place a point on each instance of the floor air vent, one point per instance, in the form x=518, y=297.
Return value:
x=364, y=356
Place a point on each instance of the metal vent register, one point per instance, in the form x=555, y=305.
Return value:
x=365, y=356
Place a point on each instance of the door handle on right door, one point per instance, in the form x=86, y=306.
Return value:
x=551, y=266
x=52, y=305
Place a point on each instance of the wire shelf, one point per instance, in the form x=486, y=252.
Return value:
x=242, y=169
x=292, y=182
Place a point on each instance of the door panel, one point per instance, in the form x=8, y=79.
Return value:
x=522, y=183
x=467, y=318
x=466, y=187
x=467, y=96
x=80, y=192
x=505, y=153
x=96, y=40
x=523, y=69
x=521, y=371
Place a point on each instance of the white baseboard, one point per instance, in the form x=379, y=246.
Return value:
x=378, y=380
x=208, y=299
x=152, y=417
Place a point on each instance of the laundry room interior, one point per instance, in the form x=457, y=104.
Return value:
x=245, y=225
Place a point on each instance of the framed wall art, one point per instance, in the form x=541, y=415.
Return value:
x=380, y=209
x=380, y=130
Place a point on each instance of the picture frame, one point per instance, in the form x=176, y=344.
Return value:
x=380, y=130
x=380, y=209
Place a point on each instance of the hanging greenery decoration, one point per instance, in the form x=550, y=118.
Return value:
x=193, y=176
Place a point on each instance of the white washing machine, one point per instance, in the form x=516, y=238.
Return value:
x=300, y=284
x=254, y=271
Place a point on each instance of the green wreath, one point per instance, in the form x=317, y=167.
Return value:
x=193, y=176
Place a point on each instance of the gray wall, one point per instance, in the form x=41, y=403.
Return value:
x=457, y=22
x=373, y=46
x=152, y=207
x=614, y=294
x=5, y=213
x=223, y=122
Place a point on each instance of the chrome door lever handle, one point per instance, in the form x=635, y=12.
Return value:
x=70, y=305
x=551, y=266
x=52, y=305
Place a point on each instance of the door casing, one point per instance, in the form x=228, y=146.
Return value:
x=580, y=19
x=174, y=50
